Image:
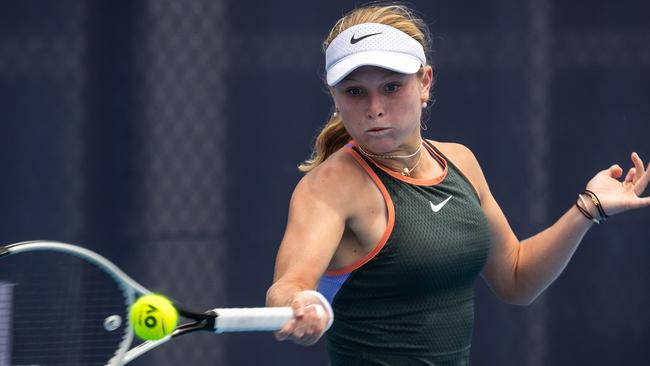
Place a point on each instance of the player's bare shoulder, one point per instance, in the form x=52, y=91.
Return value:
x=336, y=181
x=459, y=154
x=465, y=160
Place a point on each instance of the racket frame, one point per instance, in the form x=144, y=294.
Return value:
x=130, y=288
x=207, y=321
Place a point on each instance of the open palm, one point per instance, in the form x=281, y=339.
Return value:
x=617, y=196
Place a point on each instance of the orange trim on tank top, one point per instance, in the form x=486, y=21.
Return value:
x=418, y=182
x=389, y=225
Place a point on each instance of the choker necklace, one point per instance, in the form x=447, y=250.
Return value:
x=406, y=171
x=381, y=156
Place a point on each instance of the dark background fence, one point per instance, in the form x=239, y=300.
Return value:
x=166, y=134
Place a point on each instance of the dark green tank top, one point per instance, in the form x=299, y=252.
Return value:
x=410, y=301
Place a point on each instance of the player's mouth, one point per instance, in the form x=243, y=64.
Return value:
x=377, y=131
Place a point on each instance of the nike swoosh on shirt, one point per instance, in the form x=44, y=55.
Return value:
x=438, y=207
x=355, y=40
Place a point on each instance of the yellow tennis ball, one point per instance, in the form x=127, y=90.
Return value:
x=153, y=317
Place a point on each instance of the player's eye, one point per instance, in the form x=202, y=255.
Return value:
x=353, y=91
x=392, y=87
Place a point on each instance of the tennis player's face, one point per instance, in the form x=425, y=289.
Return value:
x=381, y=109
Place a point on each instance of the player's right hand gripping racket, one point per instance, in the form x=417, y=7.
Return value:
x=61, y=304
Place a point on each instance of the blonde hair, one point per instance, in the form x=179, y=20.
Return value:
x=333, y=136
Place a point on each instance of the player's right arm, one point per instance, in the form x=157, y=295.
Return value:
x=319, y=208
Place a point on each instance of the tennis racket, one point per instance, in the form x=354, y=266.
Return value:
x=61, y=304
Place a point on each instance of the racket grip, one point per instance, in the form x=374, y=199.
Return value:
x=251, y=319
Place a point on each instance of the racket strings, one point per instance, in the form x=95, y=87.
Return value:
x=57, y=306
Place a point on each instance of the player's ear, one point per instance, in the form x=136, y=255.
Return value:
x=426, y=82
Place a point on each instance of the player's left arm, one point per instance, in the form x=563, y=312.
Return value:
x=518, y=271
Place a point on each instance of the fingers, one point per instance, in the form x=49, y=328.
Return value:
x=641, y=175
x=289, y=329
x=310, y=329
x=307, y=327
x=638, y=164
x=640, y=202
x=615, y=171
x=643, y=181
x=629, y=178
x=320, y=312
x=298, y=306
x=645, y=202
x=286, y=331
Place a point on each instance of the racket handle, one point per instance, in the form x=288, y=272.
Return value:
x=251, y=319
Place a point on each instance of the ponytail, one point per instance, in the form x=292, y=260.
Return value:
x=330, y=139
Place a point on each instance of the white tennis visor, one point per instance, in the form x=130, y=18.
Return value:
x=372, y=44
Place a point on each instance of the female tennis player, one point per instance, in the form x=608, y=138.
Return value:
x=394, y=229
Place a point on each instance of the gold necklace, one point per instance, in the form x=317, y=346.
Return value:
x=407, y=172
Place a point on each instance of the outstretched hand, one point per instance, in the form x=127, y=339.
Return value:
x=618, y=195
